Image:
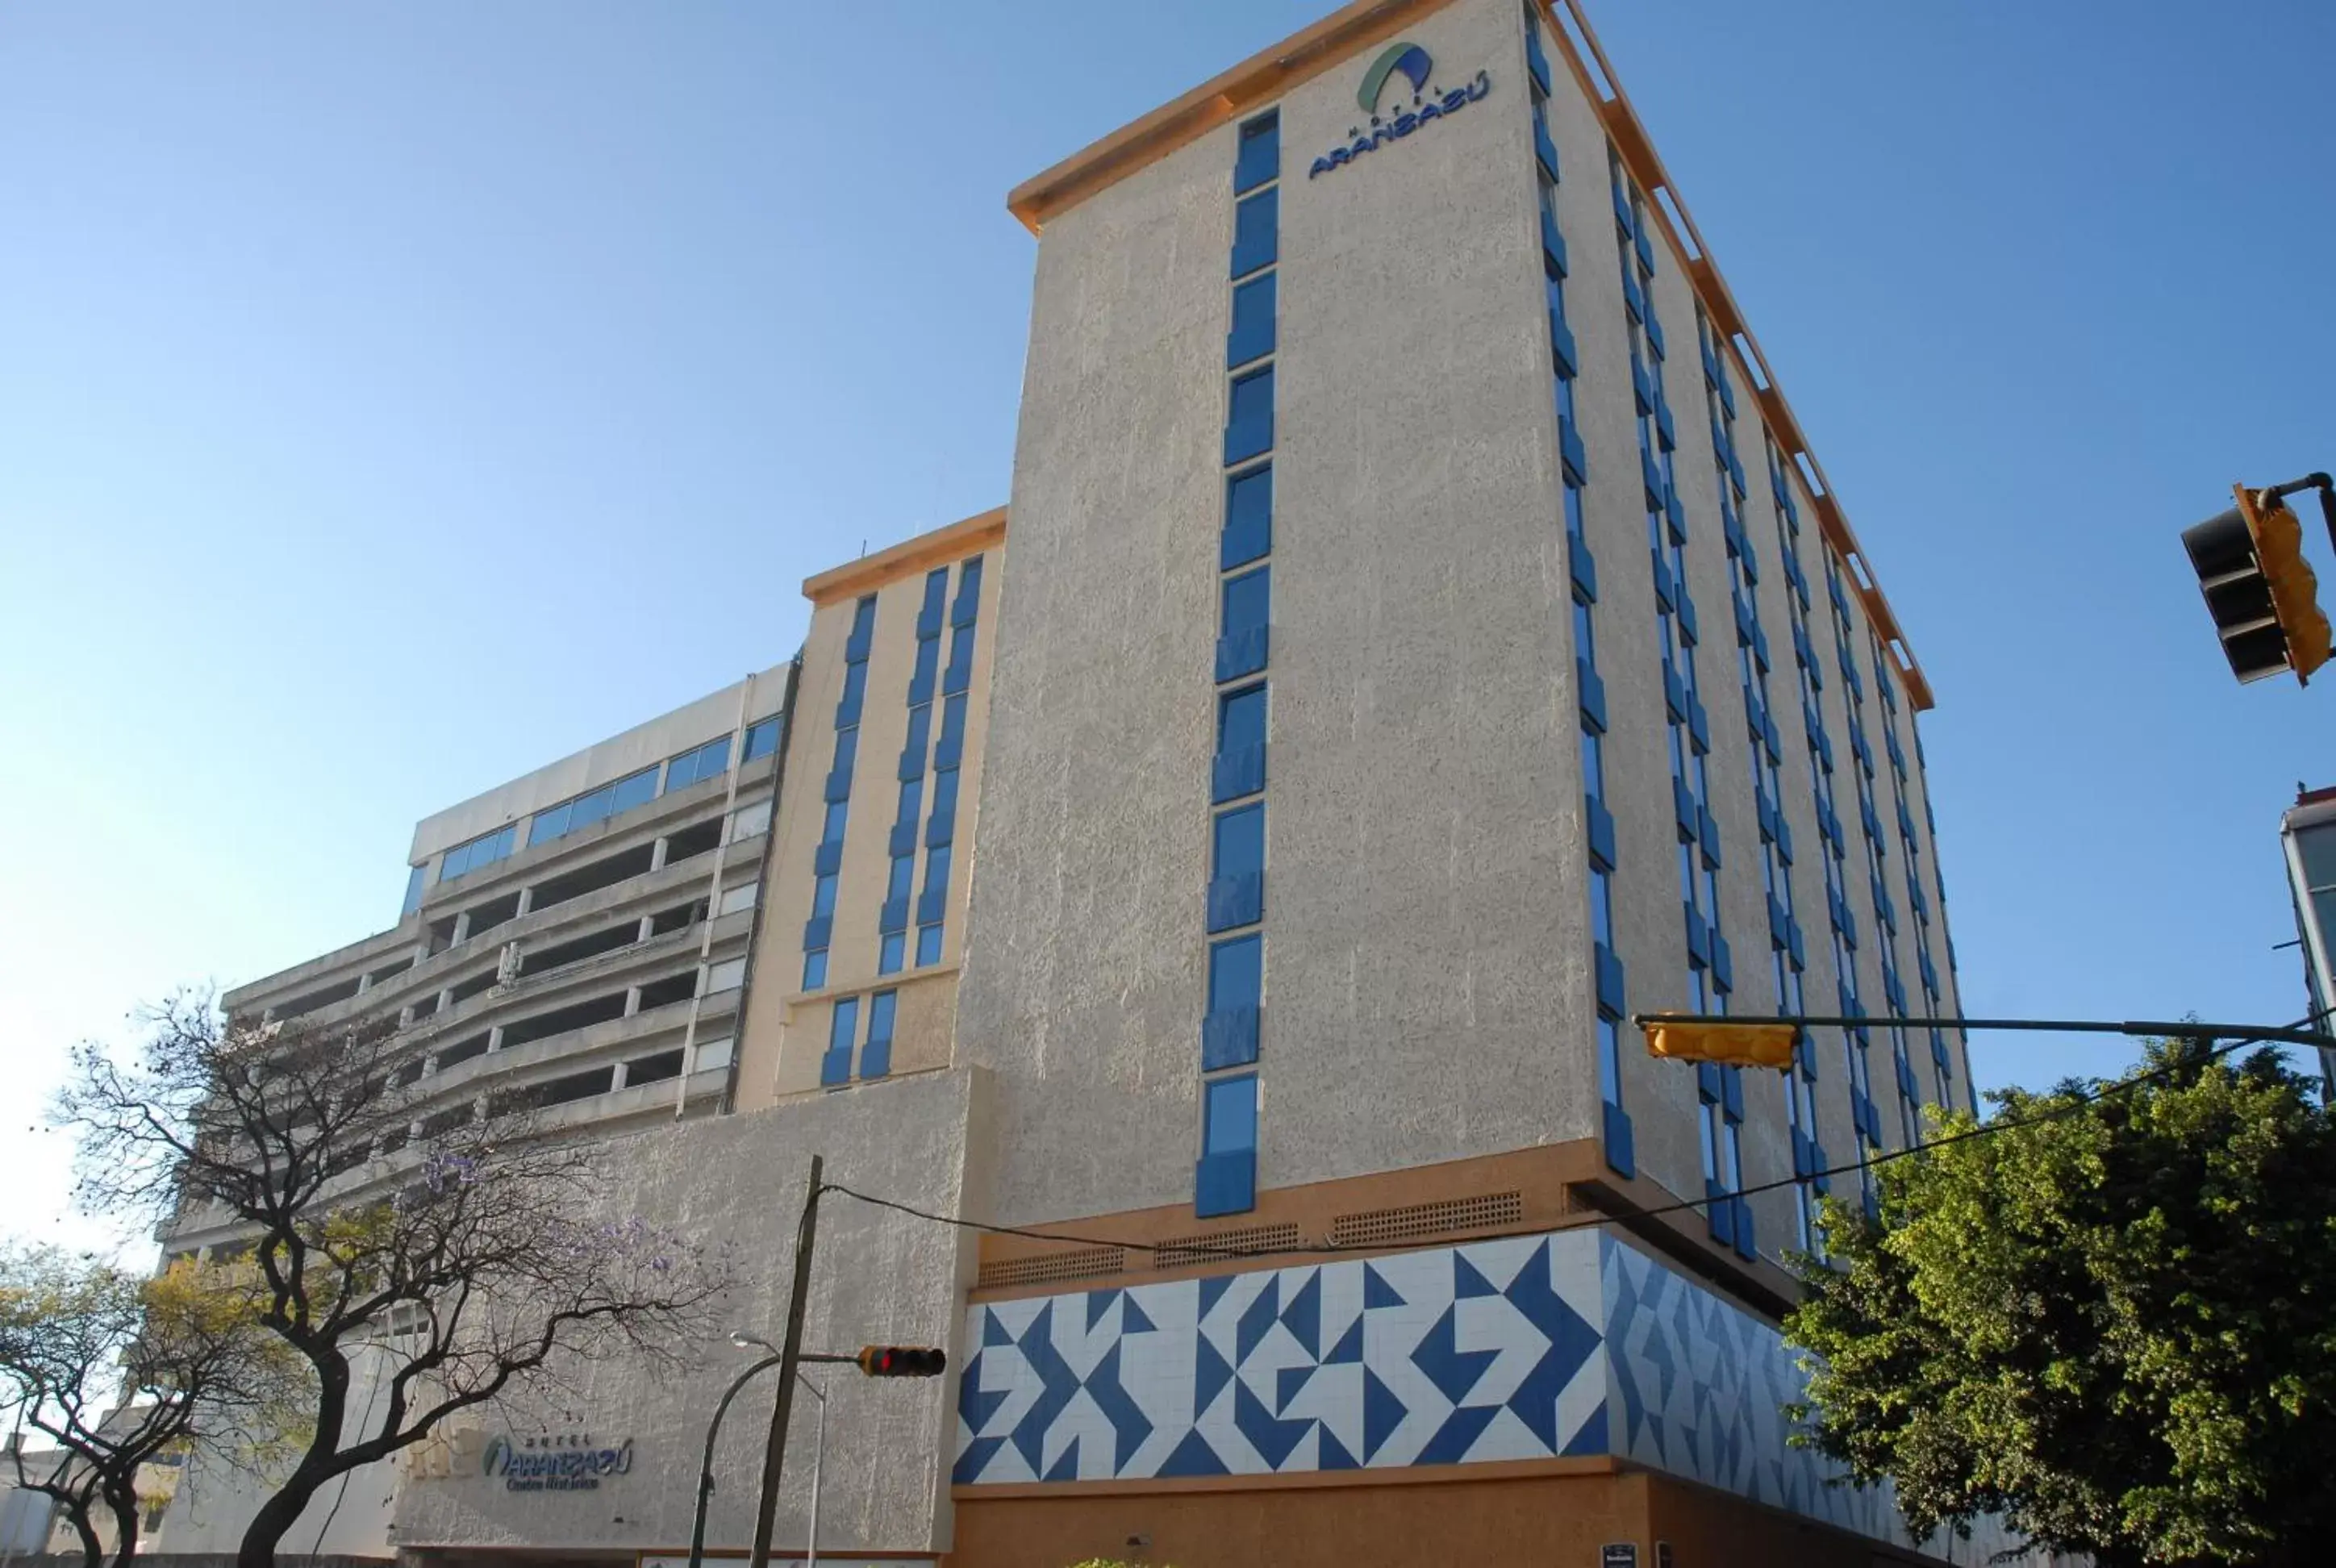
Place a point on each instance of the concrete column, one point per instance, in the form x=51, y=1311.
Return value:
x=364, y=984
x=445, y=1000
x=632, y=1000
x=461, y=927
x=647, y=923
x=495, y=1039
x=526, y=900
x=657, y=855
x=405, y=1017
x=618, y=1081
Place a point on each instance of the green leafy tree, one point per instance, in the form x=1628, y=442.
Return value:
x=2110, y=1319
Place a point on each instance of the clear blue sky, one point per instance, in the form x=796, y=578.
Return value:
x=392, y=398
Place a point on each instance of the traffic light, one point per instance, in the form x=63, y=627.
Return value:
x=902, y=1360
x=1739, y=1043
x=2259, y=588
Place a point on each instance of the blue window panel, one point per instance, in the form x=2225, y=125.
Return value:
x=1555, y=263
x=1796, y=948
x=1655, y=338
x=814, y=973
x=762, y=739
x=1239, y=768
x=1746, y=624
x=816, y=932
x=1257, y=231
x=1536, y=61
x=968, y=604
x=1666, y=591
x=921, y=735
x=1651, y=478
x=1622, y=215
x=855, y=689
x=1633, y=301
x=1779, y=924
x=929, y=614
x=1601, y=822
x=638, y=790
x=1719, y=1212
x=1229, y=1029
x=933, y=905
x=876, y=1055
x=1545, y=151
x=903, y=841
x=1783, y=828
x=1710, y=371
x=416, y=879
x=900, y=879
x=1674, y=514
x=1929, y=972
x=1236, y=894
x=1763, y=812
x=945, y=795
x=1699, y=937
x=1691, y=627
x=822, y=900
x=958, y=676
x=1563, y=349
x=842, y=1029
x=839, y=783
x=1683, y=809
x=950, y=750
x=1736, y=476
x=1642, y=391
x=1570, y=450
x=941, y=829
x=1727, y=402
x=1698, y=722
x=828, y=858
x=1224, y=1185
x=894, y=916
x=1610, y=998
x=711, y=759
x=891, y=952
x=1592, y=691
x=863, y=629
x=1666, y=427
x=1251, y=337
x=1674, y=694
x=1746, y=1248
x=1584, y=566
x=1621, y=1156
x=1228, y=1125
x=1642, y=242
x=1249, y=429
x=920, y=679
x=1246, y=609
x=929, y=945
x=1249, y=518
x=1707, y=836
x=1259, y=156
x=1723, y=971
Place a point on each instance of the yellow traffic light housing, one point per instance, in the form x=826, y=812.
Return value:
x=1737, y=1042
x=2259, y=588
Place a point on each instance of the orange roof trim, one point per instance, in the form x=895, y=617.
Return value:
x=922, y=553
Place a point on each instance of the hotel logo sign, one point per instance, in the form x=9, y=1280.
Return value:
x=564, y=1462
x=1414, y=67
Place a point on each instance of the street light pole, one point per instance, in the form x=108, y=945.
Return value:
x=818, y=1457
x=706, y=1467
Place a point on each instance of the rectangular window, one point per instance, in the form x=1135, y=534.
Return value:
x=1251, y=337
x=1236, y=973
x=482, y=851
x=929, y=945
x=1239, y=841
x=913, y=792
x=831, y=831
x=855, y=689
x=1249, y=518
x=823, y=897
x=928, y=661
x=416, y=879
x=762, y=738
x=1246, y=604
x=711, y=759
x=1232, y=1116
x=814, y=973
x=1259, y=158
x=921, y=734
x=904, y=869
x=1249, y=428
x=945, y=793
x=876, y=1055
x=892, y=951
x=1257, y=231
x=1240, y=766
x=842, y=1029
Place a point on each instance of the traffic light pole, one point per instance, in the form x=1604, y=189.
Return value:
x=791, y=1356
x=2140, y=1028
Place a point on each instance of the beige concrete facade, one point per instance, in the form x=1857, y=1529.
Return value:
x=788, y=1024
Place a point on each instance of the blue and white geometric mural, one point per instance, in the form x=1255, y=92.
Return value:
x=1520, y=1348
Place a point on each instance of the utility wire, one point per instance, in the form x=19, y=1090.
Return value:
x=1200, y=1251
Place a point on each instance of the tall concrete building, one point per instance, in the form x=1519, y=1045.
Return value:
x=1427, y=640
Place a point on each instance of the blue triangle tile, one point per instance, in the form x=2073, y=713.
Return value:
x=1273, y=1439
x=1057, y=1385
x=1131, y=1319
x=1193, y=1456
x=1571, y=1343
x=1377, y=1292
x=1453, y=1370
x=975, y=1460
x=1289, y=1382
x=994, y=1331
x=1349, y=1347
x=1382, y=1412
x=975, y=1405
x=1065, y=1468
x=1213, y=1290
x=1460, y=1429
x=1301, y=1313
x=1130, y=1425
x=1590, y=1438
x=1256, y=1321
x=1211, y=1373
x=1468, y=1281
x=1098, y=1303
x=1333, y=1455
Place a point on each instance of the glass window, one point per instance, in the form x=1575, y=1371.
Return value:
x=920, y=730
x=823, y=897
x=936, y=585
x=814, y=969
x=863, y=615
x=968, y=581
x=1248, y=600
x=847, y=747
x=638, y=790
x=1252, y=398
x=1240, y=720
x=892, y=951
x=416, y=879
x=879, y=1017
x=1257, y=231
x=1252, y=328
x=762, y=738
x=1232, y=1116
x=929, y=945
x=953, y=721
x=937, y=868
x=844, y=1024
x=703, y=761
x=1236, y=973
x=1239, y=842
x=855, y=684
x=549, y=825
x=945, y=793
x=831, y=829
x=2316, y=847
x=904, y=871
x=929, y=659
x=913, y=798
x=1249, y=517
x=1259, y=158
x=960, y=652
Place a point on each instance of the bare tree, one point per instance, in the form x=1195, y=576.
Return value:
x=118, y=1371
x=452, y=1252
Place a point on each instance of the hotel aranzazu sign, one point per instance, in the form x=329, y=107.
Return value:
x=1427, y=104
